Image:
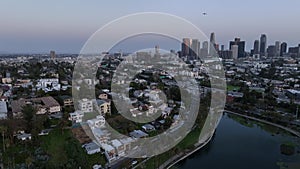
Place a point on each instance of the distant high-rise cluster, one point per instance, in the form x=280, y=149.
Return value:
x=240, y=47
x=192, y=49
x=52, y=54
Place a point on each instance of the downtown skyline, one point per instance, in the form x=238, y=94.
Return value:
x=37, y=27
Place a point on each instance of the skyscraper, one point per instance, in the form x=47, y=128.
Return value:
x=212, y=45
x=283, y=48
x=256, y=47
x=235, y=50
x=185, y=46
x=277, y=48
x=263, y=44
x=271, y=51
x=222, y=47
x=195, y=48
x=294, y=51
x=156, y=49
x=241, y=46
x=204, y=49
x=213, y=38
x=52, y=54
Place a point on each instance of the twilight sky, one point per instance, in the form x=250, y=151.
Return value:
x=35, y=26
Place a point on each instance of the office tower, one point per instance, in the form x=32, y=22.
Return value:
x=204, y=49
x=241, y=46
x=263, y=44
x=213, y=38
x=298, y=50
x=225, y=54
x=271, y=51
x=256, y=47
x=195, y=48
x=217, y=47
x=235, y=50
x=205, y=45
x=294, y=51
x=277, y=48
x=222, y=47
x=186, y=45
x=283, y=48
x=199, y=47
x=212, y=45
x=52, y=54
x=156, y=49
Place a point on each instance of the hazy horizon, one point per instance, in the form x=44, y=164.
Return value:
x=34, y=26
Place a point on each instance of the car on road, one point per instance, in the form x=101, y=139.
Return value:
x=134, y=162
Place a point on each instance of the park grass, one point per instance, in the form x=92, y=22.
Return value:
x=54, y=143
x=187, y=143
x=95, y=159
x=231, y=88
x=190, y=140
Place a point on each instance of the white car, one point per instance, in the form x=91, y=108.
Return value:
x=134, y=162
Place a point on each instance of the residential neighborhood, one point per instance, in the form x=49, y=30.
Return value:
x=36, y=103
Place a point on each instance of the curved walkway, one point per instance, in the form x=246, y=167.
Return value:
x=170, y=164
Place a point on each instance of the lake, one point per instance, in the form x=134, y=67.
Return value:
x=240, y=143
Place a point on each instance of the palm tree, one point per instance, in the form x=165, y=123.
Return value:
x=3, y=129
x=29, y=161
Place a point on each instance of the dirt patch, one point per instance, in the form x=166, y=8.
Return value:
x=80, y=134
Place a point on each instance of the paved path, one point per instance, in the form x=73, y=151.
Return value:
x=168, y=164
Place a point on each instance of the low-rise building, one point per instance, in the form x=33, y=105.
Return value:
x=48, y=85
x=3, y=110
x=43, y=105
x=110, y=152
x=293, y=94
x=103, y=96
x=138, y=134
x=92, y=148
x=76, y=117
x=85, y=105
x=104, y=107
x=98, y=122
x=119, y=147
x=66, y=100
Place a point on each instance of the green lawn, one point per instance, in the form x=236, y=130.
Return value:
x=231, y=88
x=187, y=143
x=53, y=144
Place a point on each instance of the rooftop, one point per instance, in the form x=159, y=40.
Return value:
x=138, y=134
x=42, y=101
x=3, y=107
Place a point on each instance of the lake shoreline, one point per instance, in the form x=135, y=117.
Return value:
x=174, y=162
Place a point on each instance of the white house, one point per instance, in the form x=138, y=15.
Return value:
x=110, y=152
x=48, y=84
x=98, y=122
x=92, y=148
x=76, y=117
x=104, y=106
x=85, y=105
x=119, y=147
